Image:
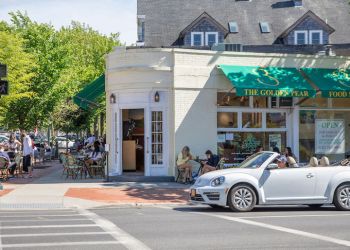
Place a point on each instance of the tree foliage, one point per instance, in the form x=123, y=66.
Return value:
x=54, y=66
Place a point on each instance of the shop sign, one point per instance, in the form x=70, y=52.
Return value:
x=330, y=136
x=336, y=94
x=275, y=92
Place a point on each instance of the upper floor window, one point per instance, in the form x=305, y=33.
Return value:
x=316, y=37
x=211, y=38
x=197, y=39
x=300, y=37
x=265, y=27
x=140, y=28
x=233, y=27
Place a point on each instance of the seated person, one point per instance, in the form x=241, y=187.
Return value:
x=11, y=165
x=211, y=163
x=291, y=162
x=95, y=155
x=281, y=160
x=183, y=163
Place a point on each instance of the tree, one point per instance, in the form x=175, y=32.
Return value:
x=66, y=60
x=21, y=66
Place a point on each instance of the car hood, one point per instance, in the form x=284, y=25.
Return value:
x=222, y=172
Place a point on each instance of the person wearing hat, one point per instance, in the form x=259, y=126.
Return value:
x=281, y=159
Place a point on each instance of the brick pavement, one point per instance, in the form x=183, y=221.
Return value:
x=130, y=195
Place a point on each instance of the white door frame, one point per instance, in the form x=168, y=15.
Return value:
x=119, y=139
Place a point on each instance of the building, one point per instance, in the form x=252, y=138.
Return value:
x=182, y=87
x=169, y=98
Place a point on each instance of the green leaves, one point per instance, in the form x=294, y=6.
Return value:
x=47, y=67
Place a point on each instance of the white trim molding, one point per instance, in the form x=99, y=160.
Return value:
x=300, y=32
x=197, y=33
x=314, y=32
x=211, y=33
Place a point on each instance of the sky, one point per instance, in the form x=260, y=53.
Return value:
x=106, y=16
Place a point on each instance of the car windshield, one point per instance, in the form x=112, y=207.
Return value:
x=256, y=160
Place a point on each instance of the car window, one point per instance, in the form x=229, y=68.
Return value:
x=255, y=160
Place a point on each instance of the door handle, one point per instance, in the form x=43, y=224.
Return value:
x=310, y=176
x=147, y=145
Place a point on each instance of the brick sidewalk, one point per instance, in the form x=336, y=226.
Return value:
x=130, y=195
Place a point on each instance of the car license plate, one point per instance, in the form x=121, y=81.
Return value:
x=193, y=192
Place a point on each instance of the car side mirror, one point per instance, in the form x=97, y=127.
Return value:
x=272, y=166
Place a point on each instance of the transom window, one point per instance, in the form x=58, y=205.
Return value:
x=197, y=39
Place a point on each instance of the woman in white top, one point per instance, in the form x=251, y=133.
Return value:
x=27, y=153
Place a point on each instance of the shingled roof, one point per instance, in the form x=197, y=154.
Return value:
x=166, y=19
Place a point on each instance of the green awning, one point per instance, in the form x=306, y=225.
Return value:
x=88, y=96
x=333, y=83
x=267, y=81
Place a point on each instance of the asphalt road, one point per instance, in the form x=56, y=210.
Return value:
x=176, y=227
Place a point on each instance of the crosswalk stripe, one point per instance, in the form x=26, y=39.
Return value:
x=49, y=226
x=81, y=243
x=117, y=233
x=39, y=215
x=45, y=220
x=51, y=234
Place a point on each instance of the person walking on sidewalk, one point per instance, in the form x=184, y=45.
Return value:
x=27, y=154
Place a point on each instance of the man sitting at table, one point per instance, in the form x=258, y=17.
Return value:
x=211, y=163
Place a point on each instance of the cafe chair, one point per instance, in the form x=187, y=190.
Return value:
x=3, y=168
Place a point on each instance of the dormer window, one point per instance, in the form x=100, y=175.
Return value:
x=300, y=37
x=316, y=37
x=211, y=38
x=197, y=39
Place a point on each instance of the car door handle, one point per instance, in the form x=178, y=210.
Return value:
x=310, y=176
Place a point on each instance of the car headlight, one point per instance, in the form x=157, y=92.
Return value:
x=217, y=181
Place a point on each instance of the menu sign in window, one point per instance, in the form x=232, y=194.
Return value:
x=330, y=136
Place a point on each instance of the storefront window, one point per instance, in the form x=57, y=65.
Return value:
x=230, y=99
x=227, y=120
x=324, y=133
x=237, y=146
x=260, y=101
x=252, y=120
x=275, y=120
x=317, y=102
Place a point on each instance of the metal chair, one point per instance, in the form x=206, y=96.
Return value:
x=99, y=168
x=4, y=163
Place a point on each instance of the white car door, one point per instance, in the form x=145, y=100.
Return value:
x=288, y=184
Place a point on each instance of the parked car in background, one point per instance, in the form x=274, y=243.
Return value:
x=3, y=139
x=259, y=181
x=62, y=142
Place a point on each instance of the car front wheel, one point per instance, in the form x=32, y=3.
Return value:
x=342, y=197
x=242, y=198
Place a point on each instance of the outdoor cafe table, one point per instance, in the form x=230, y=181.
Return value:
x=81, y=159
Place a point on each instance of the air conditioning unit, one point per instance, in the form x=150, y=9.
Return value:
x=227, y=47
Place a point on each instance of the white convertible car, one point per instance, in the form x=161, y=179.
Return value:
x=258, y=181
